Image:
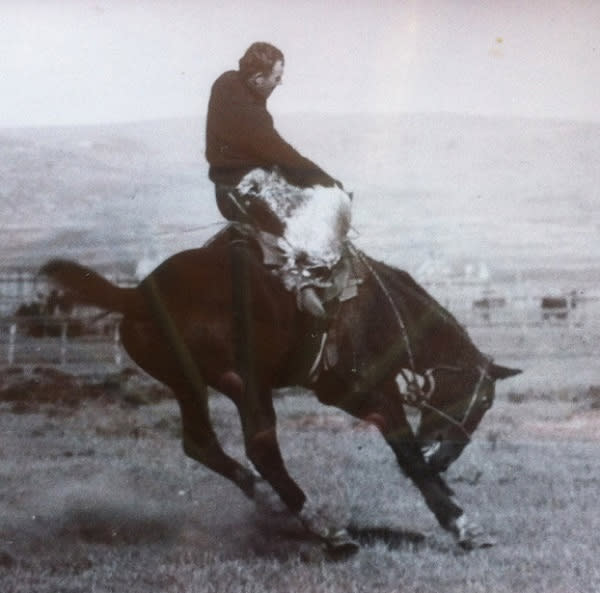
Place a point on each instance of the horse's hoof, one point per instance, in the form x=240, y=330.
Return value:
x=477, y=541
x=470, y=536
x=337, y=541
x=340, y=545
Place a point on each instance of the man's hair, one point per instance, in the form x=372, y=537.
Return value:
x=259, y=58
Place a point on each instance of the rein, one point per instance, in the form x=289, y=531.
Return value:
x=360, y=256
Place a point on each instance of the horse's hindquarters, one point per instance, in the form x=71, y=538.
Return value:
x=146, y=346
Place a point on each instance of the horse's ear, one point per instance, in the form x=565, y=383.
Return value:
x=497, y=371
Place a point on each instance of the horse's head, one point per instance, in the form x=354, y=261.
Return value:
x=459, y=398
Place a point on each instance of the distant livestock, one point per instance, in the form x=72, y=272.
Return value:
x=557, y=307
x=485, y=305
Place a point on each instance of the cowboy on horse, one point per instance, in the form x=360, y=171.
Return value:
x=239, y=315
x=297, y=212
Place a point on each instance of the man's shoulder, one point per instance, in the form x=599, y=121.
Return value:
x=228, y=79
x=230, y=89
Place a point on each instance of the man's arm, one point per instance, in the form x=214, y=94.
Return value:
x=297, y=169
x=251, y=125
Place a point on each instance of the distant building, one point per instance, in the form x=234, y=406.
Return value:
x=437, y=269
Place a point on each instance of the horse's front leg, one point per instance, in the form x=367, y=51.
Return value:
x=390, y=417
x=437, y=494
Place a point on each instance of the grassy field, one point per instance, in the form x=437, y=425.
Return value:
x=97, y=496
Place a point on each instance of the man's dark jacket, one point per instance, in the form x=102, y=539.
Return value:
x=240, y=136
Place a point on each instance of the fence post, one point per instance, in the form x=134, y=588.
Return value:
x=63, y=342
x=12, y=333
x=117, y=346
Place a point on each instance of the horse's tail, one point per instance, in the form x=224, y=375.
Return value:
x=85, y=287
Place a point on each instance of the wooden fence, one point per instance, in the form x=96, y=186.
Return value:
x=60, y=341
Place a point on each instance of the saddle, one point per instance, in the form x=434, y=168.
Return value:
x=335, y=285
x=310, y=252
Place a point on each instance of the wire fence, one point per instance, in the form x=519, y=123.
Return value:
x=513, y=327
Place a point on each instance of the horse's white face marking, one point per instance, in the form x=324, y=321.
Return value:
x=417, y=390
x=431, y=450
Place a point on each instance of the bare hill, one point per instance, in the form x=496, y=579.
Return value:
x=520, y=194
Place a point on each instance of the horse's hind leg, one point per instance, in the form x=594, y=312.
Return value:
x=200, y=443
x=260, y=436
x=243, y=386
x=258, y=421
x=145, y=342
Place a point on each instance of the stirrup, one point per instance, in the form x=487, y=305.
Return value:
x=309, y=301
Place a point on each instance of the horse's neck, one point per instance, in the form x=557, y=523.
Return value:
x=403, y=313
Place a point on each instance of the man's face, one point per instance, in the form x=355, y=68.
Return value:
x=265, y=83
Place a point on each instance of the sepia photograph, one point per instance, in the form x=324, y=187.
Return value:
x=299, y=297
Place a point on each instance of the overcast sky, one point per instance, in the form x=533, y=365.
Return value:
x=90, y=61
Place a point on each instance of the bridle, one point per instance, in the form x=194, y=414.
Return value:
x=416, y=396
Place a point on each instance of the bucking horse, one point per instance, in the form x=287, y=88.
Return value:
x=217, y=317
